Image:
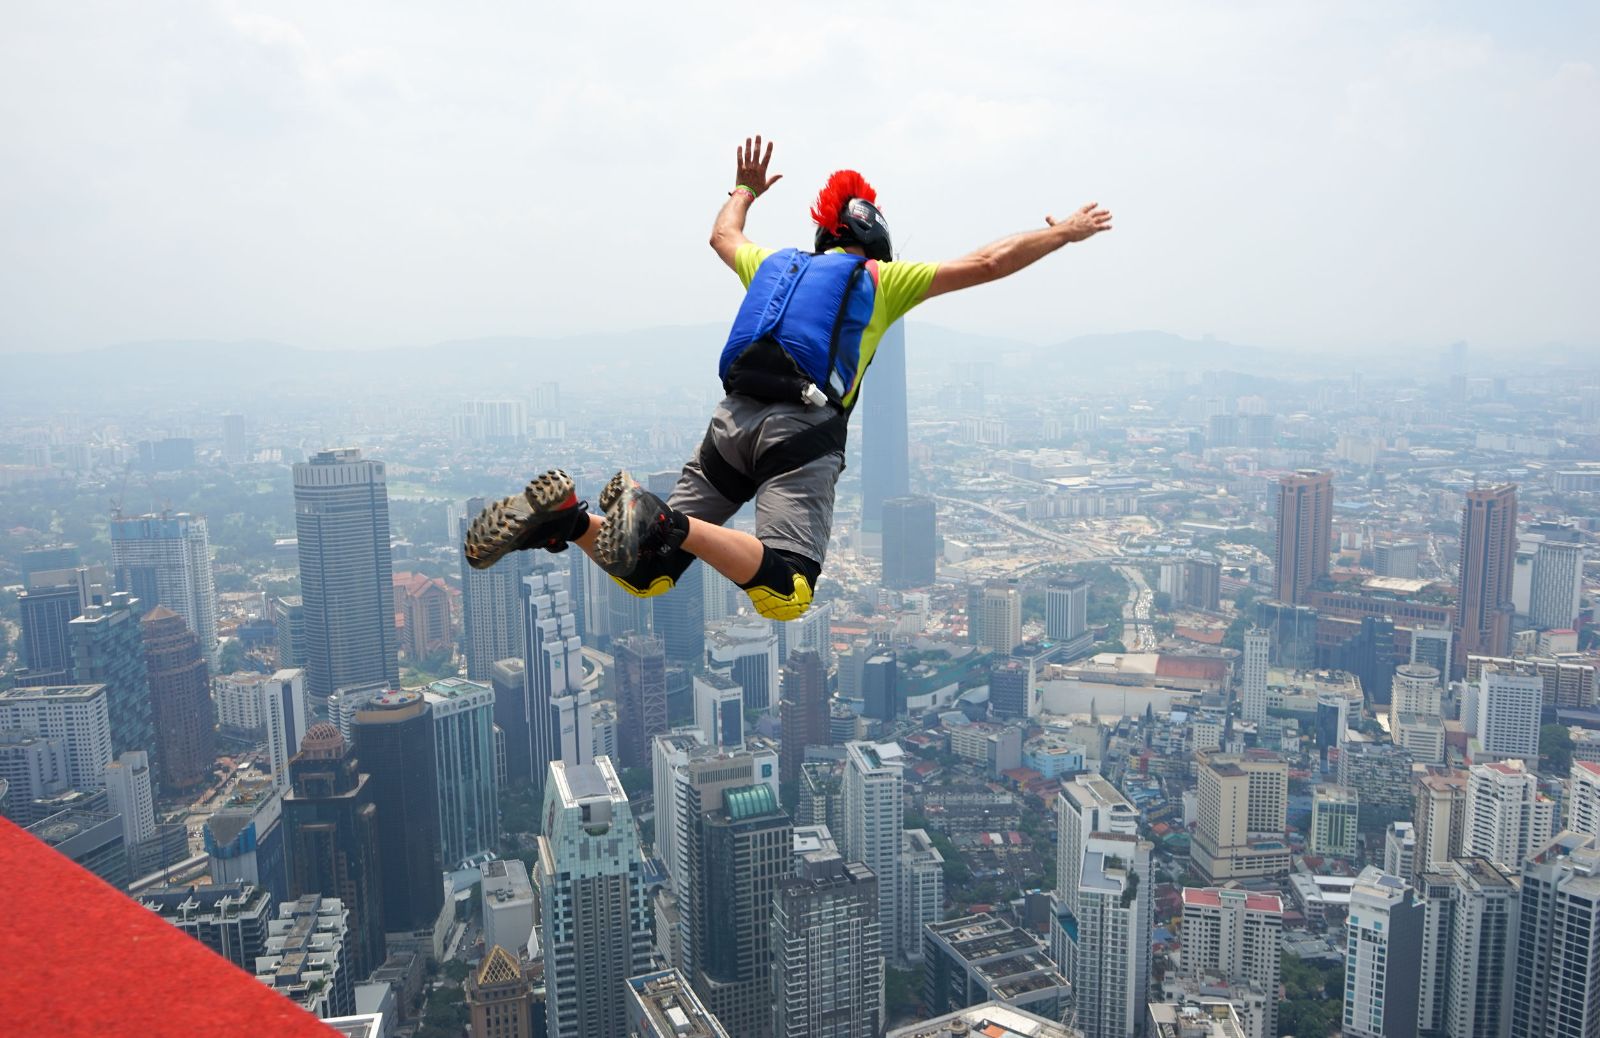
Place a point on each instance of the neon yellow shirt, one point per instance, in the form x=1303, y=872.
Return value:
x=900, y=287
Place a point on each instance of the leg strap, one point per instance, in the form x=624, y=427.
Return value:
x=798, y=450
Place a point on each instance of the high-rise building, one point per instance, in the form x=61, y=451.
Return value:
x=1066, y=609
x=1253, y=674
x=1242, y=805
x=165, y=560
x=1400, y=850
x=874, y=811
x=719, y=709
x=288, y=723
x=1334, y=811
x=341, y=505
x=1583, y=799
x=1305, y=534
x=979, y=957
x=500, y=1000
x=76, y=715
x=641, y=683
x=423, y=610
x=880, y=686
x=513, y=717
x=1557, y=588
x=108, y=649
x=679, y=619
x=309, y=957
x=1508, y=715
x=246, y=840
x=990, y=1018
x=289, y=617
x=1440, y=818
x=469, y=790
x=91, y=838
x=33, y=767
x=394, y=741
x=508, y=904
x=491, y=606
x=1558, y=943
x=1233, y=939
x=1416, y=690
x=47, y=607
x=1111, y=978
x=1568, y=684
x=553, y=671
x=741, y=849
x=910, y=545
x=1482, y=934
x=885, y=430
x=748, y=652
x=1431, y=646
x=1380, y=773
x=332, y=825
x=1010, y=688
x=1383, y=955
x=1488, y=555
x=594, y=914
x=1396, y=558
x=1086, y=805
x=130, y=794
x=921, y=889
x=803, y=710
x=998, y=624
x=230, y=919
x=1507, y=817
x=812, y=631
x=664, y=1005
x=182, y=713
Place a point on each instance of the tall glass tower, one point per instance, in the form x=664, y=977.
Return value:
x=885, y=440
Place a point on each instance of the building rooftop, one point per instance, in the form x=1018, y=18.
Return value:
x=988, y=1020
x=1210, y=1018
x=52, y=692
x=1213, y=897
x=671, y=1007
x=750, y=801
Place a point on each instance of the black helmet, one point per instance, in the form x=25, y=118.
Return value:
x=861, y=224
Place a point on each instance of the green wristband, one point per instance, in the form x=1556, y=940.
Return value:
x=747, y=189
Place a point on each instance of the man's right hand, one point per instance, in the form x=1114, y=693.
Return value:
x=1087, y=222
x=751, y=171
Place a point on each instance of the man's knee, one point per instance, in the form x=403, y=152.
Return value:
x=655, y=576
x=783, y=585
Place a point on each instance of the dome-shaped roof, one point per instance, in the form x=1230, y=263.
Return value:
x=323, y=741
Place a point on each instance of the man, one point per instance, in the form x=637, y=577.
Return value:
x=792, y=370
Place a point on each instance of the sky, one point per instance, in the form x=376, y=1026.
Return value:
x=1319, y=176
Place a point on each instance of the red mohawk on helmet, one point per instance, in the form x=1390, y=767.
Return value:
x=842, y=186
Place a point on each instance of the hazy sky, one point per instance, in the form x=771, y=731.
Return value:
x=344, y=174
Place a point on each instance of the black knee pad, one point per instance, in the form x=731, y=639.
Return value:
x=655, y=574
x=783, y=585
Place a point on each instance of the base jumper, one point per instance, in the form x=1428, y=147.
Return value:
x=792, y=370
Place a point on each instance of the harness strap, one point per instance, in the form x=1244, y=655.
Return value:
x=836, y=393
x=797, y=451
x=727, y=480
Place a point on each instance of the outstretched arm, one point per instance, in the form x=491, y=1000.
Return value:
x=750, y=182
x=1009, y=255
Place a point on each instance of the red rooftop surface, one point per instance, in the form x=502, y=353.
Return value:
x=1209, y=897
x=108, y=966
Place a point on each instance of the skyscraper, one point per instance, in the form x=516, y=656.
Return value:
x=1111, y=979
x=803, y=710
x=748, y=651
x=874, y=812
x=921, y=894
x=1583, y=799
x=1482, y=935
x=1242, y=804
x=289, y=616
x=166, y=560
x=679, y=619
x=230, y=919
x=1253, y=674
x=130, y=794
x=47, y=607
x=1010, y=684
x=1558, y=943
x=663, y=1005
x=341, y=508
x=108, y=649
x=77, y=715
x=1507, y=817
x=332, y=824
x=491, y=606
x=1305, y=534
x=880, y=686
x=553, y=670
x=1234, y=938
x=287, y=726
x=641, y=663
x=1066, y=609
x=1383, y=955
x=182, y=713
x=1488, y=555
x=462, y=713
x=910, y=545
x=1334, y=811
x=394, y=741
x=511, y=715
x=590, y=875
x=1440, y=818
x=1508, y=715
x=999, y=620
x=885, y=430
x=1557, y=590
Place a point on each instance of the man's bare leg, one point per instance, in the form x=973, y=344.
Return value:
x=733, y=553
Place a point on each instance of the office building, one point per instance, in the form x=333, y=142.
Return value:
x=1440, y=817
x=331, y=821
x=76, y=715
x=165, y=560
x=91, y=838
x=341, y=505
x=1066, y=609
x=289, y=617
x=423, y=611
x=748, y=653
x=880, y=686
x=183, y=715
x=1557, y=586
x=553, y=671
x=1488, y=554
x=1433, y=647
x=1508, y=715
x=513, y=717
x=593, y=906
x=1253, y=674
x=827, y=971
x=991, y=1020
x=885, y=431
x=719, y=709
x=1507, y=817
x=1383, y=955
x=803, y=710
x=997, y=625
x=1416, y=690
x=287, y=724
x=1479, y=923
x=1333, y=821
x=491, y=606
x=1232, y=940
x=500, y=998
x=32, y=768
x=1111, y=974
x=1583, y=799
x=394, y=740
x=1380, y=773
x=129, y=794
x=1396, y=558
x=230, y=919
x=508, y=905
x=740, y=850
x=1558, y=942
x=1242, y=805
x=874, y=809
x=979, y=958
x=1568, y=684
x=921, y=889
x=246, y=840
x=1011, y=689
x=1304, y=535
x=813, y=631
x=308, y=956
x=1400, y=849
x=108, y=649
x=46, y=608
x=679, y=619
x=469, y=790
x=664, y=1005
x=641, y=683
x=910, y=545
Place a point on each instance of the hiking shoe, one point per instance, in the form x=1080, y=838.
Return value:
x=638, y=524
x=545, y=515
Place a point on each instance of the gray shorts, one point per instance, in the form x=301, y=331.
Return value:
x=794, y=510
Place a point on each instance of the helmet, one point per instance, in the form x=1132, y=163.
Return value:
x=846, y=214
